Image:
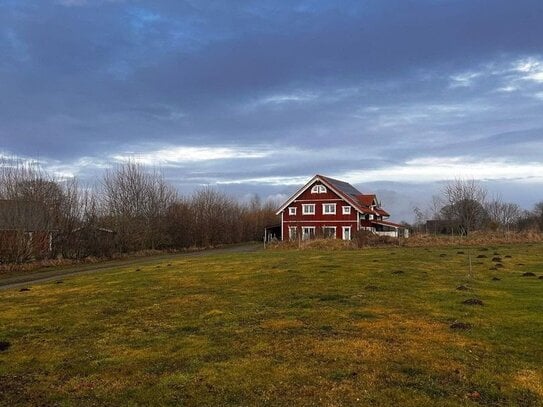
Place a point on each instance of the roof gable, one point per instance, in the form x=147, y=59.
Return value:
x=367, y=200
x=343, y=189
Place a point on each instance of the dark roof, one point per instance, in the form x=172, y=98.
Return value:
x=342, y=186
x=387, y=223
x=381, y=211
x=23, y=215
x=371, y=223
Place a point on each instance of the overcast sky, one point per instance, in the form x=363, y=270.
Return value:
x=394, y=96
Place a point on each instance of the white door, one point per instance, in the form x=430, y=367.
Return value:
x=346, y=233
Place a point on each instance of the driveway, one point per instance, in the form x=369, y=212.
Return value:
x=24, y=279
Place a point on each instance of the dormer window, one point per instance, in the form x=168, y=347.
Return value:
x=318, y=189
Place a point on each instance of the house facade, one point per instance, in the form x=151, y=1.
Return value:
x=329, y=208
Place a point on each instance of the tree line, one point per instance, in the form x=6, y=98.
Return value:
x=131, y=208
x=464, y=206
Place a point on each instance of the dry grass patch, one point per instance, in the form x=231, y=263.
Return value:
x=283, y=328
x=531, y=380
x=281, y=324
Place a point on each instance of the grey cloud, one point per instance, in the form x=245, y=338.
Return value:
x=355, y=85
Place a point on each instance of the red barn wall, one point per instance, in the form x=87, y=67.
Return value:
x=12, y=241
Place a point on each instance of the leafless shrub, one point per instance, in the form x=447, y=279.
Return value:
x=502, y=215
x=365, y=238
x=136, y=202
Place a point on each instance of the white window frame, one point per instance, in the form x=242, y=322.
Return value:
x=305, y=207
x=318, y=189
x=292, y=210
x=343, y=229
x=290, y=234
x=334, y=235
x=346, y=210
x=308, y=235
x=324, y=205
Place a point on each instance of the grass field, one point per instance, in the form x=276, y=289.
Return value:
x=370, y=327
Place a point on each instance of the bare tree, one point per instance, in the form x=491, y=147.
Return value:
x=35, y=204
x=136, y=201
x=215, y=217
x=502, y=215
x=465, y=203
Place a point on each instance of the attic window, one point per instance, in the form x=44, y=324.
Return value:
x=318, y=189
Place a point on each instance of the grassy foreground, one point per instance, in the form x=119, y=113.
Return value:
x=286, y=328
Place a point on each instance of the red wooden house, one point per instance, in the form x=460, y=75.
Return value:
x=329, y=208
x=25, y=231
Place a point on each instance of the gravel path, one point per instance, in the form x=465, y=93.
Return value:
x=41, y=276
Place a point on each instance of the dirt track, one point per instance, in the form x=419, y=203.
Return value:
x=25, y=279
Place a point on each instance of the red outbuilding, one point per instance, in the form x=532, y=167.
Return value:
x=330, y=208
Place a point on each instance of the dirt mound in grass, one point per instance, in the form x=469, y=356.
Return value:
x=398, y=272
x=499, y=265
x=462, y=288
x=508, y=256
x=371, y=288
x=474, y=395
x=24, y=289
x=477, y=239
x=497, y=259
x=473, y=301
x=461, y=326
x=540, y=277
x=4, y=345
x=528, y=274
x=496, y=279
x=442, y=255
x=493, y=268
x=460, y=252
x=482, y=256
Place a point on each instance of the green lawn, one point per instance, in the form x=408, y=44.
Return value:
x=288, y=328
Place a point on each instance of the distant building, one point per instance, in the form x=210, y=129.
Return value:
x=25, y=230
x=330, y=208
x=90, y=241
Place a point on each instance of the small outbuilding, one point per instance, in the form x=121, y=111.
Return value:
x=26, y=231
